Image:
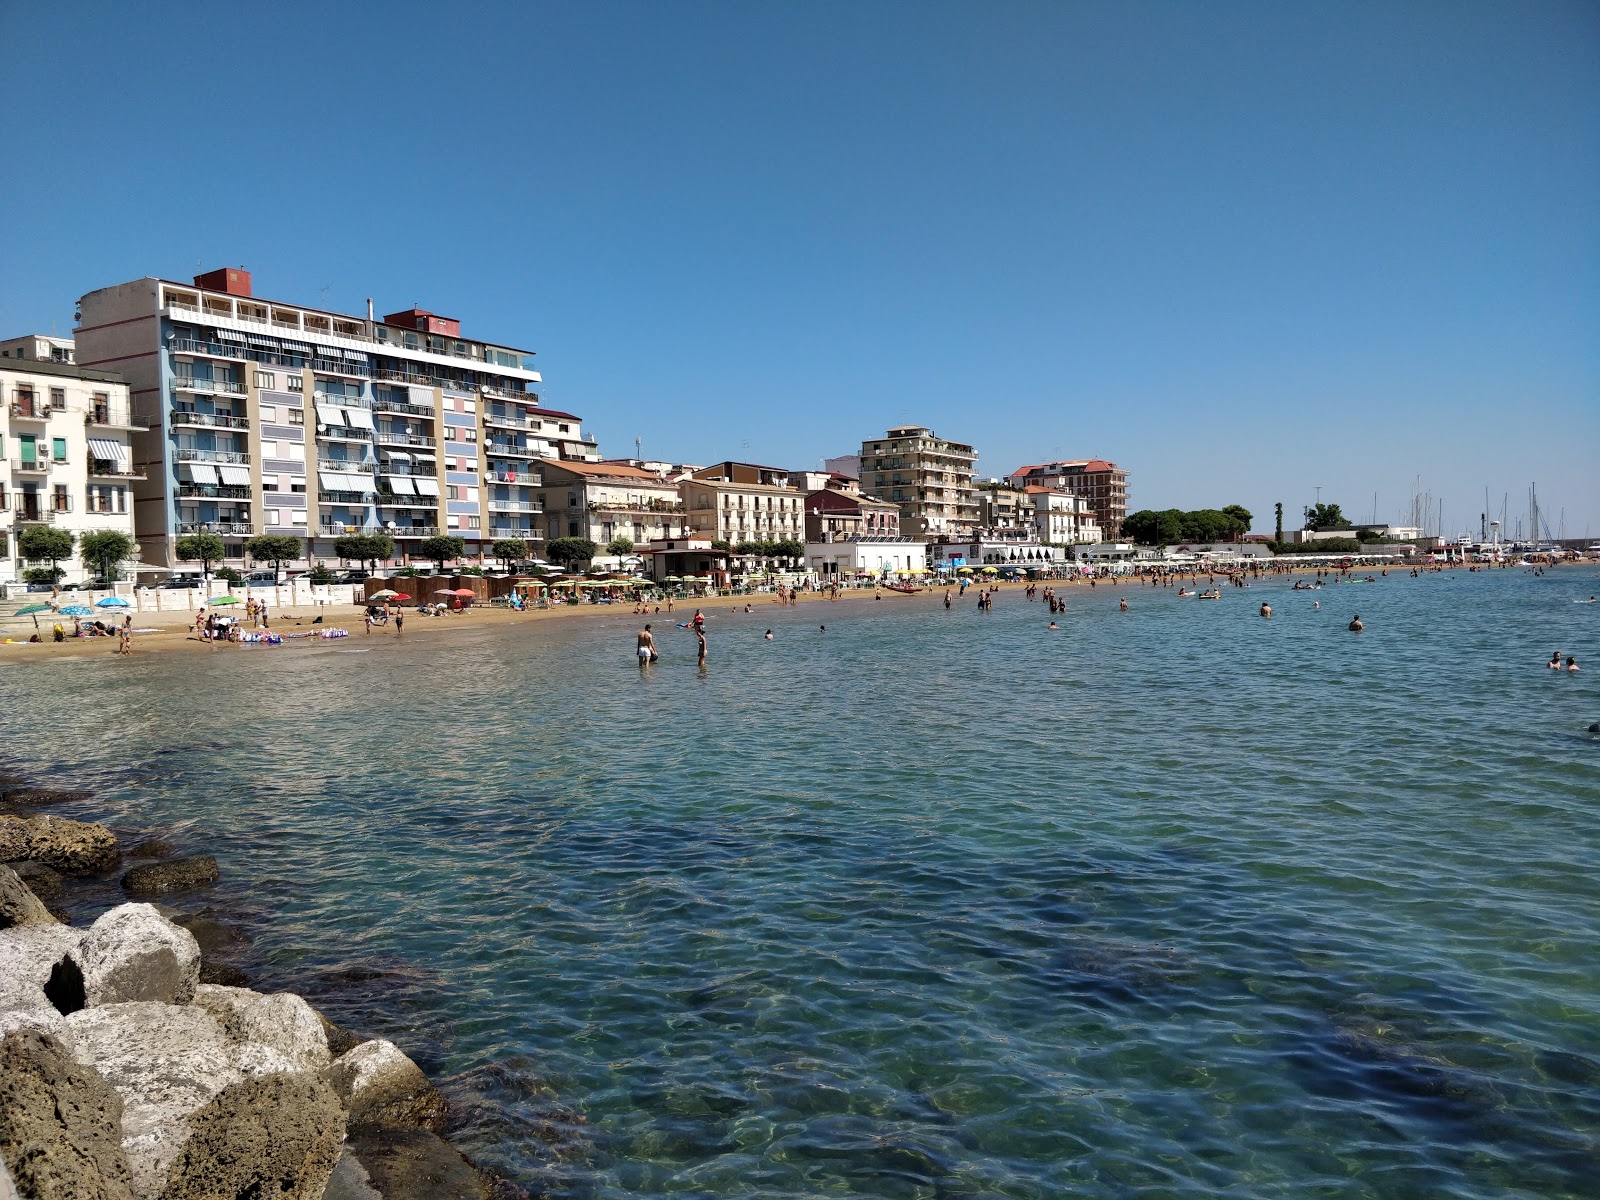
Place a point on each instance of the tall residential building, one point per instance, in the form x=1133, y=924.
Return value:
x=65, y=456
x=271, y=417
x=929, y=477
x=1103, y=484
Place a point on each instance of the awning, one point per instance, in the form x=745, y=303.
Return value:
x=108, y=450
x=343, y=481
x=421, y=396
x=354, y=355
x=234, y=476
x=298, y=347
x=265, y=343
x=400, y=485
x=329, y=415
x=201, y=472
x=397, y=455
x=428, y=458
x=228, y=335
x=425, y=486
x=358, y=418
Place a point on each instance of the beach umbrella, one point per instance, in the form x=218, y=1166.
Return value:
x=111, y=602
x=463, y=592
x=30, y=609
x=964, y=571
x=400, y=596
x=445, y=592
x=384, y=594
x=227, y=600
x=991, y=570
x=77, y=610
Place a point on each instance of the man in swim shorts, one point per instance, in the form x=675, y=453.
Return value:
x=647, y=646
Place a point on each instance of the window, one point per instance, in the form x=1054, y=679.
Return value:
x=449, y=433
x=59, y=500
x=297, y=382
x=472, y=435
x=58, y=449
x=297, y=416
x=298, y=486
x=266, y=379
x=269, y=413
x=474, y=522
x=450, y=492
x=58, y=399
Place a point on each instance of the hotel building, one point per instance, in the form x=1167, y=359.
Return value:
x=928, y=477
x=1103, y=484
x=65, y=455
x=270, y=417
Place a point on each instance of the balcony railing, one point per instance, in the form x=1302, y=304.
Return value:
x=220, y=456
x=339, y=400
x=100, y=468
x=644, y=506
x=212, y=491
x=349, y=499
x=510, y=420
x=405, y=439
x=509, y=393
x=388, y=500
x=520, y=506
x=524, y=478
x=31, y=410
x=415, y=531
x=113, y=417
x=515, y=531
x=38, y=467
x=507, y=450
x=401, y=406
x=192, y=383
x=222, y=528
x=187, y=416
x=212, y=349
x=343, y=433
x=341, y=366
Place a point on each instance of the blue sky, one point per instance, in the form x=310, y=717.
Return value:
x=1241, y=249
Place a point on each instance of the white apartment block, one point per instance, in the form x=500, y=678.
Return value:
x=271, y=417
x=1062, y=518
x=65, y=455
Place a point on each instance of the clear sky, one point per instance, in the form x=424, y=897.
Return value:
x=1242, y=249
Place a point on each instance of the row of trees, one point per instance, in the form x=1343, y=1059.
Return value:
x=1166, y=527
x=104, y=550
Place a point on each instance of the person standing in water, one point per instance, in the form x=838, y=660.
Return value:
x=1355, y=624
x=647, y=646
x=1266, y=610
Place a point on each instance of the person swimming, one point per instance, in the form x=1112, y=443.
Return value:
x=1355, y=624
x=1266, y=610
x=1555, y=661
x=768, y=635
x=1053, y=626
x=1124, y=604
x=1572, y=662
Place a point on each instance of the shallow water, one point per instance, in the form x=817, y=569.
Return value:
x=1171, y=903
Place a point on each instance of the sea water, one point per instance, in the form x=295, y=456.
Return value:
x=1172, y=902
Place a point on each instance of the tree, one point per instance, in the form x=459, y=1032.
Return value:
x=571, y=550
x=368, y=549
x=509, y=550
x=442, y=547
x=1325, y=516
x=274, y=548
x=203, y=548
x=1151, y=528
x=1277, y=539
x=42, y=541
x=619, y=546
x=722, y=544
x=1240, y=514
x=105, y=550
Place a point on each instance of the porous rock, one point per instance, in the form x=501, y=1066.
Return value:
x=14, y=838
x=41, y=880
x=213, y=935
x=340, y=1039
x=71, y=847
x=282, y=1021
x=275, y=1135
x=134, y=953
x=33, y=797
x=378, y=1084
x=18, y=904
x=28, y=956
x=153, y=848
x=173, y=875
x=225, y=974
x=60, y=1123
x=413, y=1164
x=350, y=1180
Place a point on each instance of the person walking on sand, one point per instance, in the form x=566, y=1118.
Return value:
x=647, y=646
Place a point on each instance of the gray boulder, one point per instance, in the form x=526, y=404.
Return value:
x=41, y=880
x=71, y=847
x=173, y=875
x=134, y=953
x=32, y=797
x=18, y=904
x=282, y=1021
x=272, y=1135
x=413, y=1164
x=60, y=1123
x=378, y=1084
x=30, y=957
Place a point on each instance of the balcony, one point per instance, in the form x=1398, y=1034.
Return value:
x=212, y=491
x=221, y=528
x=517, y=506
x=343, y=433
x=341, y=366
x=39, y=466
x=31, y=410
x=114, y=417
x=645, y=506
x=182, y=454
x=412, y=531
x=187, y=416
x=389, y=500
x=100, y=468
x=210, y=349
x=338, y=400
x=405, y=439
x=390, y=375
x=506, y=420
x=348, y=499
x=524, y=478
x=401, y=406
x=507, y=450
x=336, y=528
x=509, y=393
x=515, y=531
x=193, y=383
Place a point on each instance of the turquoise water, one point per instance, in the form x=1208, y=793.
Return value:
x=1171, y=903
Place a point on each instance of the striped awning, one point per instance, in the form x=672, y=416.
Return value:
x=228, y=335
x=234, y=476
x=297, y=347
x=397, y=455
x=425, y=485
x=354, y=355
x=265, y=343
x=327, y=414
x=200, y=472
x=108, y=450
x=400, y=485
x=358, y=418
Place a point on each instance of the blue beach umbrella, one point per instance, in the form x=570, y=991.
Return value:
x=111, y=602
x=76, y=610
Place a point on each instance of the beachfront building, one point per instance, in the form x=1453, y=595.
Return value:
x=1061, y=517
x=676, y=559
x=742, y=502
x=603, y=501
x=929, y=477
x=994, y=548
x=864, y=554
x=1001, y=506
x=66, y=460
x=270, y=417
x=1103, y=484
x=835, y=514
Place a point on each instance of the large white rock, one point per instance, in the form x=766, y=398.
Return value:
x=282, y=1022
x=133, y=953
x=376, y=1082
x=28, y=953
x=166, y=1062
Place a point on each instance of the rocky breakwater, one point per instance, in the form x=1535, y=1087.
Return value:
x=123, y=1076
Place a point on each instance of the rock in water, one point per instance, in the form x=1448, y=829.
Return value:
x=174, y=875
x=60, y=1123
x=14, y=838
x=134, y=953
x=274, y=1135
x=380, y=1085
x=18, y=904
x=153, y=848
x=71, y=847
x=282, y=1021
x=413, y=1164
x=31, y=797
x=41, y=880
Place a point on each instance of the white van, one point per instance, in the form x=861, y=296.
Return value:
x=261, y=579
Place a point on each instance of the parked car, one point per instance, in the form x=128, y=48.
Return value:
x=181, y=580
x=261, y=579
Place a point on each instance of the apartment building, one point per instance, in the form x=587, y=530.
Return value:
x=725, y=510
x=1060, y=517
x=1103, y=484
x=38, y=347
x=838, y=514
x=603, y=501
x=271, y=417
x=65, y=455
x=929, y=477
x=1002, y=507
